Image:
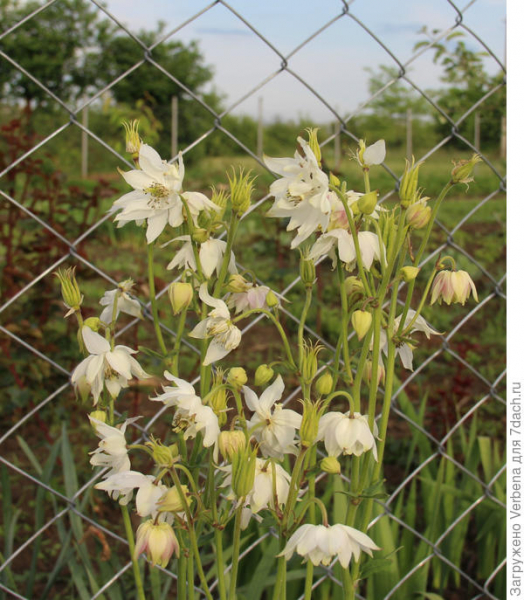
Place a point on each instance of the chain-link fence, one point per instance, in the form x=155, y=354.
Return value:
x=28, y=478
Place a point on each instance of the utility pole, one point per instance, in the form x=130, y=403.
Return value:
x=409, y=134
x=260, y=128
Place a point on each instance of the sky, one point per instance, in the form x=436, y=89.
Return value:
x=332, y=63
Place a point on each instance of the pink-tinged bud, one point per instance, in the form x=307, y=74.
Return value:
x=453, y=286
x=418, y=215
x=368, y=372
x=361, y=321
x=158, y=541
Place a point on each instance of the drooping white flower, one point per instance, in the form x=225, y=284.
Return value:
x=274, y=426
x=112, y=368
x=226, y=336
x=158, y=541
x=124, y=302
x=254, y=297
x=195, y=416
x=301, y=194
x=320, y=544
x=453, y=286
x=345, y=434
x=211, y=256
x=343, y=240
x=157, y=195
x=112, y=448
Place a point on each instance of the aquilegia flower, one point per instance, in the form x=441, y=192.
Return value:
x=343, y=240
x=158, y=541
x=211, y=256
x=112, y=447
x=275, y=426
x=320, y=544
x=218, y=325
x=112, y=368
x=346, y=434
x=124, y=302
x=453, y=286
x=157, y=195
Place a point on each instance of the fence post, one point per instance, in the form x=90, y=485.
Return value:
x=260, y=128
x=84, y=142
x=476, y=139
x=174, y=126
x=409, y=134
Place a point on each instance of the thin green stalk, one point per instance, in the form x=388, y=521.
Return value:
x=236, y=551
x=210, y=483
x=303, y=317
x=227, y=256
x=191, y=229
x=279, y=591
x=152, y=298
x=178, y=342
x=155, y=582
x=131, y=541
x=421, y=304
x=345, y=315
x=190, y=574
x=182, y=573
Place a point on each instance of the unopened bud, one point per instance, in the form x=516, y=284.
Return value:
x=173, y=501
x=368, y=372
x=180, y=295
x=418, y=215
x=271, y=299
x=311, y=414
x=307, y=269
x=158, y=541
x=310, y=361
x=263, y=375
x=330, y=465
x=241, y=186
x=237, y=284
x=237, y=377
x=334, y=180
x=133, y=141
x=162, y=455
x=324, y=384
x=93, y=323
x=243, y=471
x=231, y=443
x=463, y=170
x=368, y=202
x=409, y=273
x=200, y=235
x=217, y=397
x=99, y=415
x=361, y=321
x=409, y=184
x=353, y=285
x=314, y=145
x=70, y=290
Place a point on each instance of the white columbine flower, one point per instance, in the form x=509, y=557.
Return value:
x=114, y=368
x=453, y=286
x=372, y=155
x=157, y=195
x=345, y=434
x=343, y=240
x=218, y=325
x=275, y=429
x=211, y=256
x=253, y=297
x=302, y=194
x=112, y=448
x=320, y=544
x=124, y=302
x=196, y=416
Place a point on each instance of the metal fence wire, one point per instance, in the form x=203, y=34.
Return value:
x=70, y=503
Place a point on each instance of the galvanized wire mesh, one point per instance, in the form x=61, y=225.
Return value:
x=72, y=504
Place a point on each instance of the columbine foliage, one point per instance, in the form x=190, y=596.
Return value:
x=235, y=453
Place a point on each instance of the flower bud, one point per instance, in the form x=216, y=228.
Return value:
x=237, y=284
x=330, y=464
x=361, y=321
x=314, y=145
x=70, y=290
x=93, y=323
x=220, y=198
x=418, y=215
x=217, y=400
x=99, y=415
x=241, y=189
x=133, y=141
x=180, y=295
x=237, y=377
x=324, y=384
x=200, y=235
x=307, y=269
x=271, y=299
x=368, y=372
x=230, y=443
x=353, y=285
x=409, y=184
x=243, y=471
x=367, y=202
x=310, y=361
x=263, y=375
x=334, y=180
x=162, y=455
x=463, y=169
x=311, y=414
x=173, y=501
x=409, y=273
x=158, y=541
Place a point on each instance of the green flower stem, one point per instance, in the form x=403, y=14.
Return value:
x=303, y=317
x=227, y=256
x=190, y=574
x=131, y=542
x=182, y=572
x=421, y=304
x=178, y=341
x=346, y=395
x=336, y=359
x=218, y=532
x=283, y=335
x=152, y=298
x=113, y=321
x=191, y=229
x=373, y=387
x=236, y=551
x=296, y=477
x=355, y=389
x=349, y=588
x=367, y=185
x=279, y=591
x=155, y=582
x=345, y=315
x=421, y=249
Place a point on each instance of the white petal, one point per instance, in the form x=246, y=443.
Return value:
x=155, y=226
x=94, y=342
x=216, y=351
x=119, y=362
x=375, y=154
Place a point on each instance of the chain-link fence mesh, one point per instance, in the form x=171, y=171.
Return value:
x=68, y=507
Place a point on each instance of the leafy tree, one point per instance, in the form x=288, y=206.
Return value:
x=60, y=46
x=467, y=82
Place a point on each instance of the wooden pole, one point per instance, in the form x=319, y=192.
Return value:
x=174, y=126
x=409, y=134
x=260, y=128
x=84, y=142
x=476, y=140
x=336, y=131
